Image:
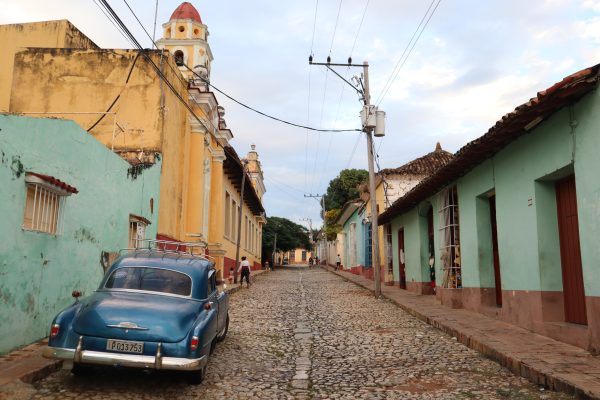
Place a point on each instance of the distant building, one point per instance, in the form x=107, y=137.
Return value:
x=356, y=220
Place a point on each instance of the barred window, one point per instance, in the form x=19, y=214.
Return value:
x=44, y=203
x=137, y=230
x=449, y=227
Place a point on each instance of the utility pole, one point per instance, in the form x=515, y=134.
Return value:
x=310, y=233
x=372, y=194
x=239, y=224
x=372, y=119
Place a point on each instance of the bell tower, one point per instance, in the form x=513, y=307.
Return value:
x=186, y=37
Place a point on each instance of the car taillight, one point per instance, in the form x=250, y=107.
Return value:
x=194, y=343
x=54, y=330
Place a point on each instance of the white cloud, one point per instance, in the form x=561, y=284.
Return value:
x=591, y=4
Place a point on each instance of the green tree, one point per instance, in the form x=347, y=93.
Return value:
x=331, y=228
x=289, y=236
x=344, y=187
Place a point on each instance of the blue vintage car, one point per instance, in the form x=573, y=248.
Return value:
x=153, y=310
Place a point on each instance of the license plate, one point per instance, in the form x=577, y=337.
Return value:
x=124, y=346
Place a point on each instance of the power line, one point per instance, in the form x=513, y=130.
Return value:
x=158, y=71
x=354, y=150
x=342, y=91
x=314, y=27
x=113, y=23
x=140, y=22
x=408, y=49
x=335, y=26
x=359, y=27
x=265, y=114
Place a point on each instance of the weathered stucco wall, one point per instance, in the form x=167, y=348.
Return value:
x=149, y=118
x=522, y=175
x=56, y=34
x=38, y=271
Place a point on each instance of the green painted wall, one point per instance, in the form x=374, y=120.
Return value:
x=38, y=271
x=587, y=167
x=523, y=176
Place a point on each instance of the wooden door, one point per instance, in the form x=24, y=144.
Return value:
x=570, y=252
x=401, y=259
x=496, y=257
x=431, y=246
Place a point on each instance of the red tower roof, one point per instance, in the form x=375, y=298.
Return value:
x=186, y=11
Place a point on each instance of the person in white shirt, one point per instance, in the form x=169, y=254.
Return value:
x=245, y=271
x=338, y=262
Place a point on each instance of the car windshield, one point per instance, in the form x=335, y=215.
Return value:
x=150, y=279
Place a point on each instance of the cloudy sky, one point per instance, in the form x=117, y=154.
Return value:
x=475, y=61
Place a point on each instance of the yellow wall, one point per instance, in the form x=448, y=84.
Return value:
x=55, y=34
x=69, y=80
x=73, y=79
x=253, y=253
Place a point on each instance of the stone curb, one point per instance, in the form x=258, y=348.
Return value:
x=530, y=370
x=30, y=367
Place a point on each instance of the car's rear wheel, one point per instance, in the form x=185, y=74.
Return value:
x=196, y=377
x=221, y=336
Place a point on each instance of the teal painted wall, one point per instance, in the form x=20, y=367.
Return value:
x=587, y=167
x=38, y=271
x=523, y=175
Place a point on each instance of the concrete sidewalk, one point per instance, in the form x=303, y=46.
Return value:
x=544, y=361
x=27, y=364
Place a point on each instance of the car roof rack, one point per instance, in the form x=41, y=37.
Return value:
x=191, y=250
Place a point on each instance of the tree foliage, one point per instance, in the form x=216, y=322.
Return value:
x=331, y=228
x=344, y=187
x=289, y=236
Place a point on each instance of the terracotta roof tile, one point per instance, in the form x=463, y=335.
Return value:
x=56, y=182
x=509, y=128
x=186, y=11
x=425, y=165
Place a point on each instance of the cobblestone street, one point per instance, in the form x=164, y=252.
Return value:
x=300, y=333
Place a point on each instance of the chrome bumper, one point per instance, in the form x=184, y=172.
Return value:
x=125, y=360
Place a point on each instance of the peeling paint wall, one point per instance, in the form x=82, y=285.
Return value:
x=37, y=34
x=149, y=117
x=39, y=271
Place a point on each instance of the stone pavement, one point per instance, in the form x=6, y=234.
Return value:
x=544, y=361
x=308, y=334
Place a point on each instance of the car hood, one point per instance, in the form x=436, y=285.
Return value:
x=158, y=318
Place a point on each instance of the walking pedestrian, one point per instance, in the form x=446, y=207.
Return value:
x=245, y=272
x=338, y=262
x=310, y=262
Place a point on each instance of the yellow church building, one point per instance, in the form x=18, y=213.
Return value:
x=120, y=99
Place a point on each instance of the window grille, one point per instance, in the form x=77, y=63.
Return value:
x=449, y=227
x=137, y=231
x=44, y=209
